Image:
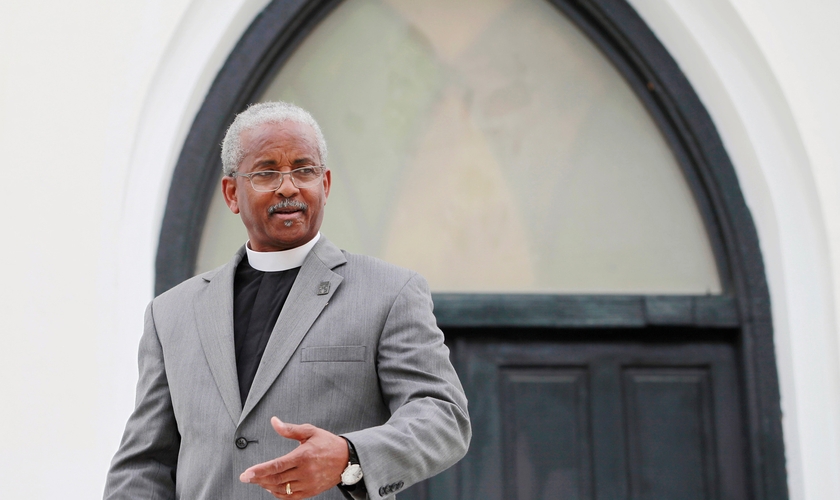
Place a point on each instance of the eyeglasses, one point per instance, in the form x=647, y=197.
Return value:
x=271, y=180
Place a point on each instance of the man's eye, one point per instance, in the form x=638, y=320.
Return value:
x=264, y=175
x=305, y=171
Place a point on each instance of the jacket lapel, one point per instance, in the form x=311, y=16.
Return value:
x=315, y=285
x=214, y=318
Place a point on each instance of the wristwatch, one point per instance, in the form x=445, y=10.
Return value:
x=353, y=473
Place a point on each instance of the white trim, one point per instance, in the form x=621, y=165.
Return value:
x=201, y=43
x=727, y=68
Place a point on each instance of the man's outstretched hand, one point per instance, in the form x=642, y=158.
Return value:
x=312, y=468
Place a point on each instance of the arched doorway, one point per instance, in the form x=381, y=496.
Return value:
x=607, y=353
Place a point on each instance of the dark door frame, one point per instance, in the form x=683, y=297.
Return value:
x=647, y=67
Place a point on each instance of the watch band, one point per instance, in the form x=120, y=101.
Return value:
x=353, y=457
x=353, y=475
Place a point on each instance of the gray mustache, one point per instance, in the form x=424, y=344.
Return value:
x=288, y=204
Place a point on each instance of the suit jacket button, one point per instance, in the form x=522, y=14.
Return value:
x=241, y=443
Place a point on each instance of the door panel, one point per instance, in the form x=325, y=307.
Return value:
x=670, y=433
x=606, y=420
x=547, y=445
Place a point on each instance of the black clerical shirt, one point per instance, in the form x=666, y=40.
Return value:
x=258, y=298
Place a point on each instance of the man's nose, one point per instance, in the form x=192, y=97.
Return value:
x=287, y=188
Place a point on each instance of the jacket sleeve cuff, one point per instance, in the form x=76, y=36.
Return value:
x=355, y=492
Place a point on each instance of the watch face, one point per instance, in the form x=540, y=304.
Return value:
x=352, y=475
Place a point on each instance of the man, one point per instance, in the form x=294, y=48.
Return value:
x=290, y=330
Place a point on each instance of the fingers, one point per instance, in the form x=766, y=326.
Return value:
x=281, y=464
x=310, y=469
x=291, y=431
x=276, y=467
x=287, y=490
x=280, y=485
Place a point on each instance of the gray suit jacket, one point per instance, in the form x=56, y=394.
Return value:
x=356, y=350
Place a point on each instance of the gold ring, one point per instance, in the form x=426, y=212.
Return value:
x=288, y=489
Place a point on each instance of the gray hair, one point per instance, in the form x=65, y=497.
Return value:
x=259, y=114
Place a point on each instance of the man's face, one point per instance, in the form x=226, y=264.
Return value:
x=282, y=147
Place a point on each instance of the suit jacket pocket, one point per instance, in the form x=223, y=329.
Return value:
x=333, y=353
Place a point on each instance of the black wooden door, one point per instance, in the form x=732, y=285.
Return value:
x=604, y=419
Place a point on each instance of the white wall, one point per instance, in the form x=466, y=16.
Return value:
x=100, y=95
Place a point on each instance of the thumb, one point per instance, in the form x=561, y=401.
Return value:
x=291, y=431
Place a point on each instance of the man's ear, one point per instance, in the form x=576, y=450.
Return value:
x=229, y=192
x=327, y=182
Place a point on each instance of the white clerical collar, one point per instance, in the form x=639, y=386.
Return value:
x=268, y=262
